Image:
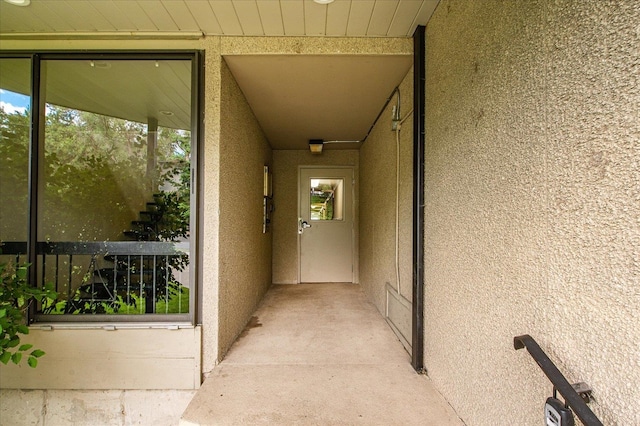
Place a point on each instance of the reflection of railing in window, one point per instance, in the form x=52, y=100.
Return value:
x=111, y=277
x=322, y=204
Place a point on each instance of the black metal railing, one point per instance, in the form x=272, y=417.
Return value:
x=572, y=399
x=108, y=277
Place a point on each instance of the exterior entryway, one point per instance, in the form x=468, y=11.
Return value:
x=317, y=354
x=326, y=224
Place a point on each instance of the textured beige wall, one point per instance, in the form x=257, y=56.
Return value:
x=532, y=204
x=378, y=203
x=285, y=200
x=138, y=357
x=315, y=46
x=210, y=220
x=245, y=252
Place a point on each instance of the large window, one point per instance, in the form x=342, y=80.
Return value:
x=113, y=146
x=15, y=119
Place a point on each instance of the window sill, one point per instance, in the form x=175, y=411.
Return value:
x=109, y=326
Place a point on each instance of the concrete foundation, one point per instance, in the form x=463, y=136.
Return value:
x=92, y=407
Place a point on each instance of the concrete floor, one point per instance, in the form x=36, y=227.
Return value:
x=317, y=354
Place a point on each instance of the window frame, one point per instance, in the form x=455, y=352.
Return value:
x=196, y=57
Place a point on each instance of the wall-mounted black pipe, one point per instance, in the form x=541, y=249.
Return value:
x=571, y=397
x=417, y=313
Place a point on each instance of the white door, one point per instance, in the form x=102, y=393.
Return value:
x=325, y=225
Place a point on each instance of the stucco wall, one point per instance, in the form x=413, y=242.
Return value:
x=245, y=252
x=116, y=357
x=378, y=203
x=532, y=204
x=285, y=199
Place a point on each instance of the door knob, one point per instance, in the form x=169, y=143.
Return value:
x=302, y=225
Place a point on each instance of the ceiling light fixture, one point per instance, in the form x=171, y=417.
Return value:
x=99, y=64
x=19, y=2
x=323, y=1
x=315, y=146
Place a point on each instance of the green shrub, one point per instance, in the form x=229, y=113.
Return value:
x=16, y=295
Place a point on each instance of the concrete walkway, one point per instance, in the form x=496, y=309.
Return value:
x=317, y=354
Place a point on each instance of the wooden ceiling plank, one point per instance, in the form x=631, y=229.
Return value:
x=131, y=90
x=51, y=11
x=231, y=17
x=424, y=14
x=227, y=17
x=181, y=15
x=315, y=18
x=138, y=17
x=249, y=17
x=89, y=13
x=271, y=17
x=359, y=17
x=171, y=91
x=383, y=13
x=204, y=16
x=338, y=18
x=293, y=17
x=81, y=15
x=158, y=15
x=404, y=19
x=110, y=11
x=18, y=19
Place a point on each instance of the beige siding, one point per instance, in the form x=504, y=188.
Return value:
x=378, y=205
x=141, y=358
x=532, y=204
x=245, y=252
x=210, y=188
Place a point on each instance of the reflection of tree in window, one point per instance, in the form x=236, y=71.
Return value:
x=97, y=165
x=108, y=170
x=14, y=174
x=98, y=182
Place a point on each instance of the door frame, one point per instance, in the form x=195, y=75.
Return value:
x=354, y=214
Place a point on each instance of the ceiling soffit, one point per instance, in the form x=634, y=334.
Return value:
x=331, y=97
x=351, y=18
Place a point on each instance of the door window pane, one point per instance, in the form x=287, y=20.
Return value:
x=326, y=200
x=15, y=117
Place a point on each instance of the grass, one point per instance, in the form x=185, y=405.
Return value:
x=177, y=304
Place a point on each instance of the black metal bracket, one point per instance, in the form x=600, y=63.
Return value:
x=574, y=399
x=584, y=390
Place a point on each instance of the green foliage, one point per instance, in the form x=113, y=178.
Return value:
x=14, y=157
x=94, y=183
x=175, y=183
x=15, y=298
